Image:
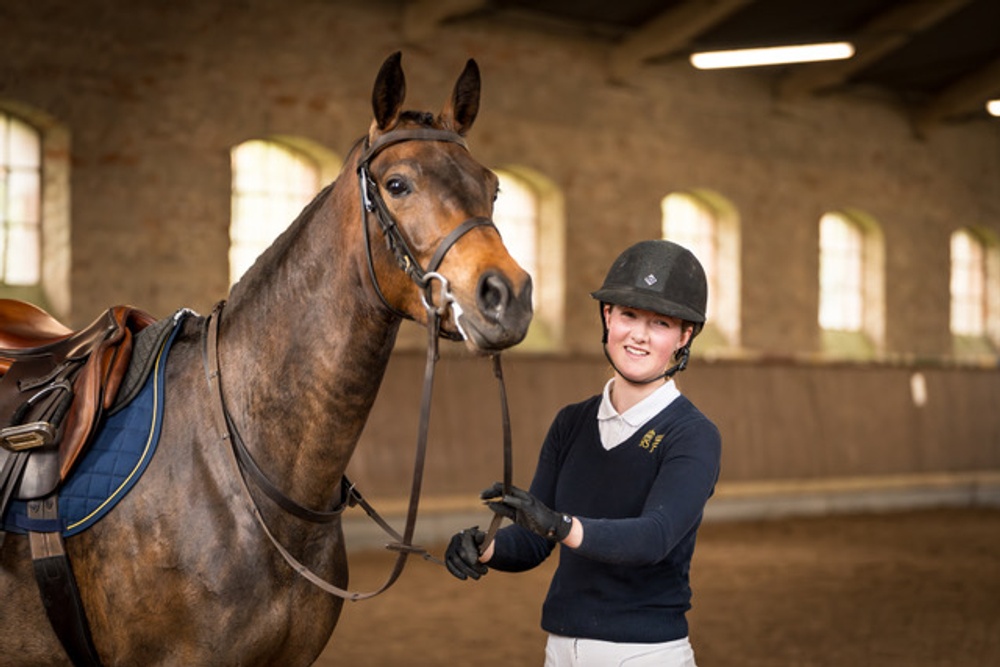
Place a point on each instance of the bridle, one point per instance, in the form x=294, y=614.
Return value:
x=372, y=202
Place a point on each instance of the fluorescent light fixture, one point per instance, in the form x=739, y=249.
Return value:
x=772, y=55
x=993, y=106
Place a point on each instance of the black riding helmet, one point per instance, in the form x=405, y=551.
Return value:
x=660, y=276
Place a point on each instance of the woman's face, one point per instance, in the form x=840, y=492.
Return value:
x=642, y=343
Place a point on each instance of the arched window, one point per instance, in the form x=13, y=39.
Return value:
x=851, y=285
x=20, y=202
x=707, y=225
x=841, y=273
x=529, y=215
x=35, y=247
x=516, y=216
x=975, y=291
x=272, y=182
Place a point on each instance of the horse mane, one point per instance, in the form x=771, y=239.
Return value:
x=424, y=118
x=280, y=243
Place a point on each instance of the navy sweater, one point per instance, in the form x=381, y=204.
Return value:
x=640, y=505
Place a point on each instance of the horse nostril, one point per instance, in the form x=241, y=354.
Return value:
x=493, y=295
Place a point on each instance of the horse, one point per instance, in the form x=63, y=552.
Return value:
x=181, y=572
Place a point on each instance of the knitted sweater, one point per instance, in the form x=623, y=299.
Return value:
x=640, y=505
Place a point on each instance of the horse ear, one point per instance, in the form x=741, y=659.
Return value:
x=461, y=110
x=389, y=91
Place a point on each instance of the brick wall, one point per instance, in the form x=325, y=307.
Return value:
x=153, y=95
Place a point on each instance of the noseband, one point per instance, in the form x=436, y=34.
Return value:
x=372, y=202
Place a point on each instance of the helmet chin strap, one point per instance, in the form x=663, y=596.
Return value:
x=681, y=355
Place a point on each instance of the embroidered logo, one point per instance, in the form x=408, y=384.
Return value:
x=651, y=440
x=650, y=280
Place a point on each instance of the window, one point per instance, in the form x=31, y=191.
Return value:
x=516, y=216
x=35, y=241
x=975, y=290
x=272, y=182
x=851, y=285
x=706, y=224
x=841, y=274
x=529, y=215
x=968, y=285
x=20, y=202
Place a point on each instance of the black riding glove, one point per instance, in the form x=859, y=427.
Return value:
x=525, y=510
x=462, y=555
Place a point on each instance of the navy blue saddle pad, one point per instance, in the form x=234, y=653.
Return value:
x=113, y=463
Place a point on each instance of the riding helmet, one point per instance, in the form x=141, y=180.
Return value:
x=660, y=276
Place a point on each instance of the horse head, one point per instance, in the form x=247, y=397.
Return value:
x=434, y=247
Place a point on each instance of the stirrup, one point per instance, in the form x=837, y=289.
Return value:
x=27, y=436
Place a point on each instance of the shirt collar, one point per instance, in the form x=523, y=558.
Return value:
x=642, y=411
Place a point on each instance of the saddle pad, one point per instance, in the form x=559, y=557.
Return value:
x=112, y=464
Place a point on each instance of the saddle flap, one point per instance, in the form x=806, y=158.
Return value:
x=83, y=370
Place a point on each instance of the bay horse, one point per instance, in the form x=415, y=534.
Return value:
x=180, y=572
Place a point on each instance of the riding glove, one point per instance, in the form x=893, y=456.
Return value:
x=527, y=511
x=462, y=555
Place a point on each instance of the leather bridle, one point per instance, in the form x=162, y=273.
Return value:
x=372, y=202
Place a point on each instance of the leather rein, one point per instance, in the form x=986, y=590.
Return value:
x=372, y=202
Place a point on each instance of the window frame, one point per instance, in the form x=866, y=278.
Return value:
x=717, y=246
x=866, y=338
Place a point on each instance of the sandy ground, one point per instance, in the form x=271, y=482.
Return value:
x=911, y=589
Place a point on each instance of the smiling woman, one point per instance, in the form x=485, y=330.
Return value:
x=621, y=589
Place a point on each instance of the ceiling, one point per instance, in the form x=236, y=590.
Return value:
x=938, y=58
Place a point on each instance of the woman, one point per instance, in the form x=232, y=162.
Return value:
x=621, y=482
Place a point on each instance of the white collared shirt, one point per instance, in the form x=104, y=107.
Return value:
x=616, y=428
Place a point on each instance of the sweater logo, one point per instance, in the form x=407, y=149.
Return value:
x=651, y=441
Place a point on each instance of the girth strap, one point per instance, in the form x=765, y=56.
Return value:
x=11, y=470
x=58, y=588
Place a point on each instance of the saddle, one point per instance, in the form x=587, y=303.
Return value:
x=56, y=385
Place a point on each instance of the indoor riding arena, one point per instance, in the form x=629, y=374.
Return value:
x=847, y=214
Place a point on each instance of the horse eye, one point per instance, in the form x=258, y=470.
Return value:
x=397, y=186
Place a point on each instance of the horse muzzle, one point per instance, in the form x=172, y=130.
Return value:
x=501, y=315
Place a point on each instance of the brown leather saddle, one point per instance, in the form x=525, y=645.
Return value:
x=56, y=385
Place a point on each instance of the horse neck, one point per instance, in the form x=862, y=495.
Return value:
x=304, y=345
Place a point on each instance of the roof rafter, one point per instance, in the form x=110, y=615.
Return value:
x=966, y=95
x=881, y=36
x=421, y=17
x=669, y=32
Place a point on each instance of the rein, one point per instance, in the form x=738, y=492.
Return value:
x=404, y=543
x=372, y=203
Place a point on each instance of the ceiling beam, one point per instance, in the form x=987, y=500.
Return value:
x=421, y=17
x=883, y=35
x=668, y=33
x=967, y=95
